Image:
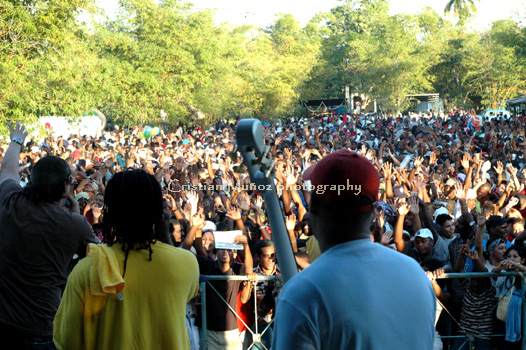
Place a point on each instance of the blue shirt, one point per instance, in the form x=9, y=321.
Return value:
x=357, y=295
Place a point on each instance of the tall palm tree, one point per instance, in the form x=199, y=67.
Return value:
x=458, y=5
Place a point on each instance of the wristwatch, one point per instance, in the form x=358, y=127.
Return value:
x=18, y=140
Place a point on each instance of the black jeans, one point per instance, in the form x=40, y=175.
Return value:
x=15, y=339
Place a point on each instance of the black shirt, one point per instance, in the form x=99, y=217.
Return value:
x=219, y=316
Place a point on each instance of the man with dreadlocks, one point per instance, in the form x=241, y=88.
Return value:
x=131, y=292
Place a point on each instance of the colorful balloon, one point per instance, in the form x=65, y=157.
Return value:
x=146, y=134
x=474, y=122
x=141, y=135
x=48, y=125
x=155, y=131
x=148, y=128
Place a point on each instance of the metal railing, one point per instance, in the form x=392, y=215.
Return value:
x=255, y=334
x=268, y=278
x=494, y=274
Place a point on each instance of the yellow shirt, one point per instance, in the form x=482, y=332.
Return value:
x=313, y=248
x=151, y=314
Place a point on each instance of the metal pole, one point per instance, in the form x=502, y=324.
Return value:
x=203, y=317
x=260, y=166
x=523, y=318
x=287, y=262
x=255, y=311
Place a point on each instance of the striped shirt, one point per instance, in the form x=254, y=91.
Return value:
x=477, y=311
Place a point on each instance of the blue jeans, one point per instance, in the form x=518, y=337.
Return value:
x=480, y=344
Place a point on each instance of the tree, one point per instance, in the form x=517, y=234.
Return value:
x=459, y=5
x=496, y=67
x=38, y=39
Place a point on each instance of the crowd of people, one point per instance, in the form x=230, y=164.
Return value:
x=451, y=195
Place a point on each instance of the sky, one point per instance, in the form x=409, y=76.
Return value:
x=263, y=12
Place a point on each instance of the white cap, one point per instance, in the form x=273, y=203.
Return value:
x=440, y=211
x=424, y=233
x=209, y=226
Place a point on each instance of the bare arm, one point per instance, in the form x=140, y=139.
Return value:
x=11, y=158
x=479, y=237
x=398, y=236
x=248, y=286
x=248, y=262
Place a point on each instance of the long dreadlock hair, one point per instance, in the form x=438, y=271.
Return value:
x=133, y=210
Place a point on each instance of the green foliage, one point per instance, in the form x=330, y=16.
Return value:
x=165, y=55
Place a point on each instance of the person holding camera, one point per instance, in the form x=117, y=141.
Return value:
x=36, y=250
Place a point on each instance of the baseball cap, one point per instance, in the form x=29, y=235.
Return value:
x=495, y=220
x=424, y=233
x=344, y=177
x=399, y=192
x=440, y=211
x=209, y=226
x=80, y=195
x=450, y=182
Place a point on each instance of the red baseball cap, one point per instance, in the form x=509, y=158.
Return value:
x=345, y=178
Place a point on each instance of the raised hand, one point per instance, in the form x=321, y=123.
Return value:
x=241, y=239
x=290, y=178
x=512, y=170
x=418, y=161
x=234, y=214
x=499, y=168
x=363, y=150
x=472, y=254
x=414, y=205
x=243, y=202
x=280, y=176
x=459, y=191
x=170, y=201
x=288, y=153
x=259, y=201
x=386, y=237
x=391, y=203
x=193, y=199
x=290, y=222
x=403, y=209
x=96, y=211
x=387, y=170
x=432, y=158
x=380, y=218
x=198, y=220
x=479, y=182
x=17, y=131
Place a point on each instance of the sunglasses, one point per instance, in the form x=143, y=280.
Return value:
x=266, y=256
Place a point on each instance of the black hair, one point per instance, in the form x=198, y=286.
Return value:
x=519, y=249
x=442, y=218
x=44, y=193
x=431, y=264
x=263, y=244
x=133, y=212
x=222, y=226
